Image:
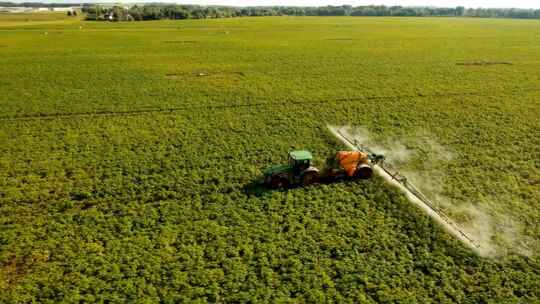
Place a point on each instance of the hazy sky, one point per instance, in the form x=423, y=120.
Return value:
x=440, y=3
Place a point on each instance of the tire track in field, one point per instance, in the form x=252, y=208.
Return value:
x=48, y=116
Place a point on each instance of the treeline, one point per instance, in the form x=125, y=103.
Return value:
x=158, y=11
x=167, y=11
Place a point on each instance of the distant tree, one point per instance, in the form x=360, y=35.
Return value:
x=151, y=12
x=179, y=13
x=198, y=13
x=119, y=13
x=136, y=13
x=94, y=12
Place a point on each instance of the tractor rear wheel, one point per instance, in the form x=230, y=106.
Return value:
x=363, y=172
x=310, y=178
x=279, y=181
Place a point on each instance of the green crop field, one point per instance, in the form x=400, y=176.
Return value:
x=41, y=18
x=130, y=153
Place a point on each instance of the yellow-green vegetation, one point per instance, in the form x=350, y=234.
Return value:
x=128, y=153
x=37, y=18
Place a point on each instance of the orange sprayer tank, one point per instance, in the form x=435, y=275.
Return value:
x=350, y=160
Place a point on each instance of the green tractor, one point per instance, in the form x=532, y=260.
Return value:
x=298, y=171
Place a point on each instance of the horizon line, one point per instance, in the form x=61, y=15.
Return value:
x=270, y=5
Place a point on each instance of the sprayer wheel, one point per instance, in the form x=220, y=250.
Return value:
x=364, y=172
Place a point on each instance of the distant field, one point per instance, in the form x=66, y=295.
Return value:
x=128, y=153
x=18, y=19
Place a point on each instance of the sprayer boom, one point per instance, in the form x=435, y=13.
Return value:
x=387, y=171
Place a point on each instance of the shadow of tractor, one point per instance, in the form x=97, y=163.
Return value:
x=259, y=189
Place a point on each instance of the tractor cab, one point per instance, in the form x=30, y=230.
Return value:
x=298, y=171
x=300, y=161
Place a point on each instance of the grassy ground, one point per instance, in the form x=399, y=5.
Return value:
x=128, y=153
x=35, y=18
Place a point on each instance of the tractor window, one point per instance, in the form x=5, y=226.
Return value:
x=302, y=165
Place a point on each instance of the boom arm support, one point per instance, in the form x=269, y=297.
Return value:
x=412, y=192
